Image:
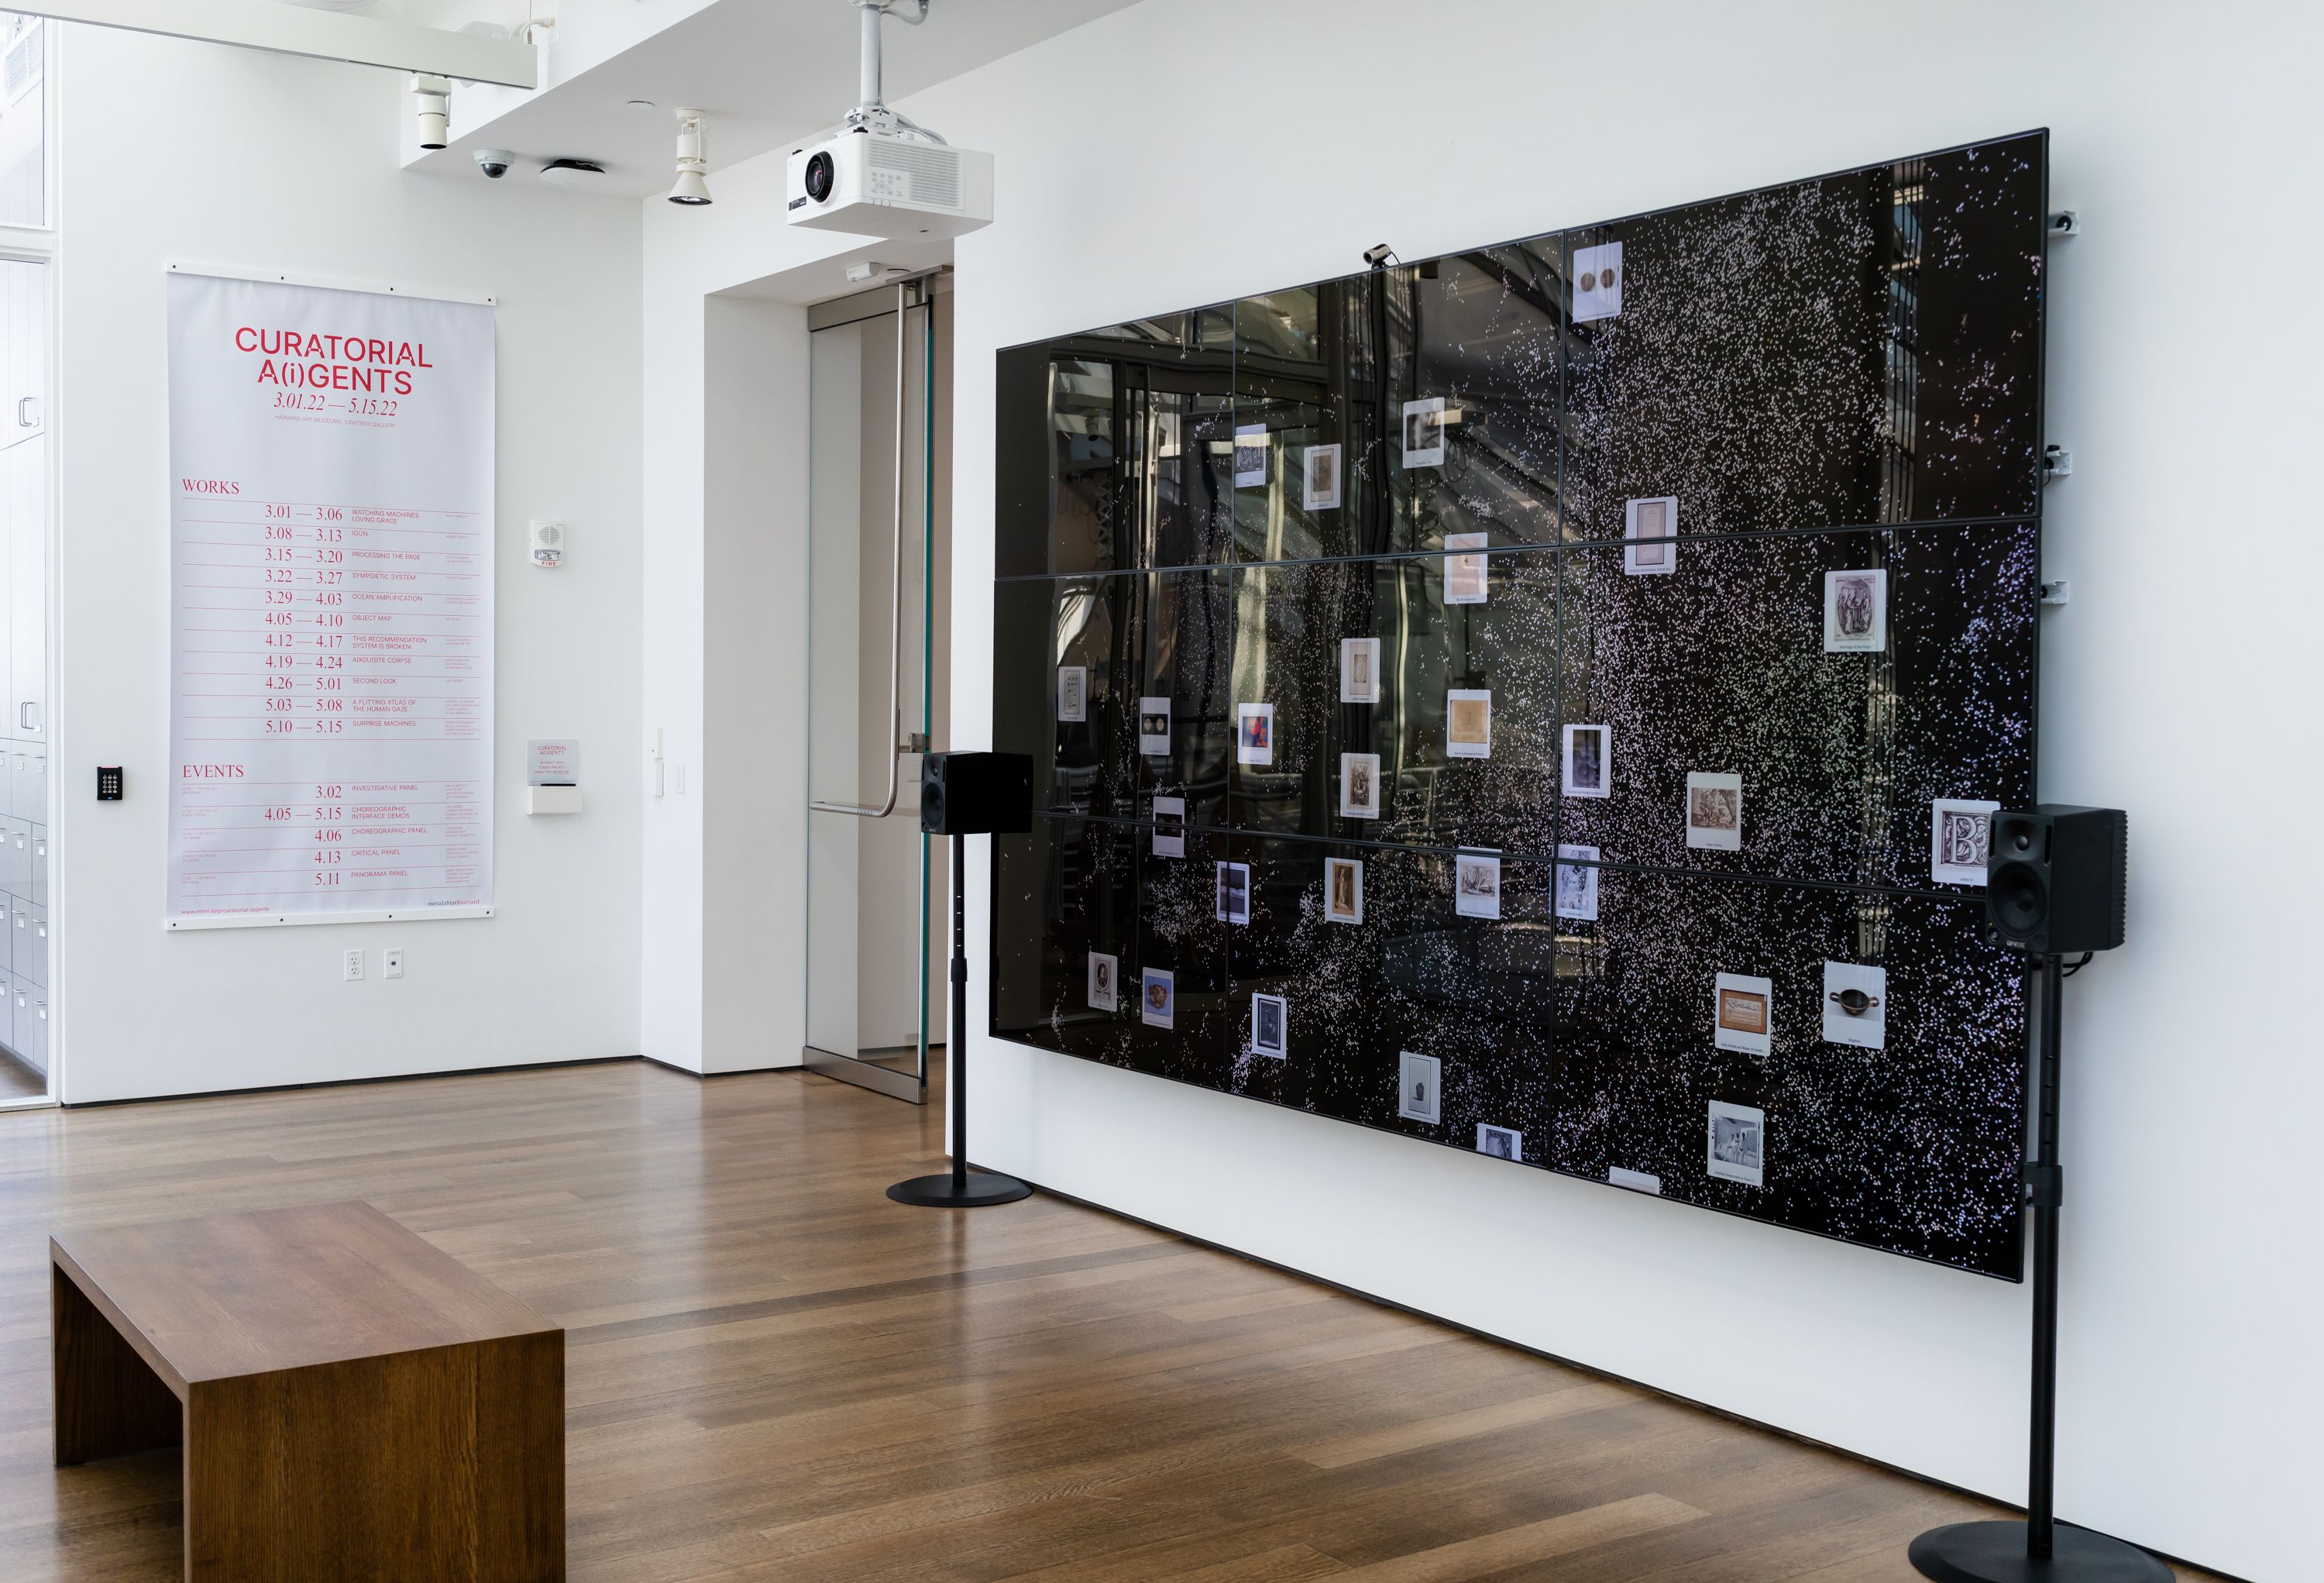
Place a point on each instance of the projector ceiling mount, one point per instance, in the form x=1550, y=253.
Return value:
x=870, y=114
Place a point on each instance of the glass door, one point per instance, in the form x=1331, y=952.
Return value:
x=27, y=1070
x=875, y=647
x=24, y=954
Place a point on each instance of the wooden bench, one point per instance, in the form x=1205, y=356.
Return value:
x=353, y=1401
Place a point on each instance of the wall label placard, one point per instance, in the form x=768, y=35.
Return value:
x=552, y=762
x=331, y=604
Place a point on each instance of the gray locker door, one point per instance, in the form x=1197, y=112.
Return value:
x=16, y=856
x=23, y=499
x=24, y=319
x=36, y=1043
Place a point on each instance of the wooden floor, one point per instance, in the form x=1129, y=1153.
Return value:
x=774, y=1372
x=19, y=1082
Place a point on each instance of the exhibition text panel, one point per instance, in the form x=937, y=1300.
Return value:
x=332, y=600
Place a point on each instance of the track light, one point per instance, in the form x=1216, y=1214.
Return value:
x=691, y=190
x=431, y=98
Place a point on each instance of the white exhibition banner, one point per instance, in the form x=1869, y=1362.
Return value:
x=331, y=604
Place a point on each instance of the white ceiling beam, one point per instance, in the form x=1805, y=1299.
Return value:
x=299, y=30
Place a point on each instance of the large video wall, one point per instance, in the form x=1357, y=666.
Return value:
x=1547, y=700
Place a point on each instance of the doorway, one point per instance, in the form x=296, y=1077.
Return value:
x=879, y=641
x=27, y=241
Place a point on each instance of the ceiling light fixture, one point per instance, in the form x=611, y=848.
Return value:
x=691, y=190
x=431, y=99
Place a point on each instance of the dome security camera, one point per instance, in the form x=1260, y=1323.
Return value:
x=494, y=162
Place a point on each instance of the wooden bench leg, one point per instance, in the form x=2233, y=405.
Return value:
x=442, y=1466
x=108, y=1401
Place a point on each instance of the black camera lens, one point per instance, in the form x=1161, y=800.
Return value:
x=818, y=177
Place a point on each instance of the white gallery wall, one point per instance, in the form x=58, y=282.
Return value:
x=1186, y=152
x=722, y=967
x=206, y=155
x=725, y=585
x=753, y=782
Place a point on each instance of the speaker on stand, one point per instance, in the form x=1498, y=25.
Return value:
x=2054, y=887
x=965, y=794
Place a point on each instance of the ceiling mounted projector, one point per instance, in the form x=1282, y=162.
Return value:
x=873, y=185
x=877, y=174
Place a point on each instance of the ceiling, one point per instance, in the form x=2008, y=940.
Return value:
x=766, y=72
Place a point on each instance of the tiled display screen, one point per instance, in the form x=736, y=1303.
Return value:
x=1545, y=700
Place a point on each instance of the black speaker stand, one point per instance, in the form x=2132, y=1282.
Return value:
x=2038, y=1550
x=961, y=1188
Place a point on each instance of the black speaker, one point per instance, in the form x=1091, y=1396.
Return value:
x=976, y=793
x=2055, y=876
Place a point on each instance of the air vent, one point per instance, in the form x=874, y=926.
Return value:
x=916, y=172
x=23, y=62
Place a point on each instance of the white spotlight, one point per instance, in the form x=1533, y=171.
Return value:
x=431, y=99
x=691, y=190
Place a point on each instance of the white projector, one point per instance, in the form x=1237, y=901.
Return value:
x=888, y=187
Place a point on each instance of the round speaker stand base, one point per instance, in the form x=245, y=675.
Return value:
x=973, y=1190
x=1994, y=1552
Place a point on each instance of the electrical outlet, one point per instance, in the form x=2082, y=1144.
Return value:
x=391, y=962
x=350, y=967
